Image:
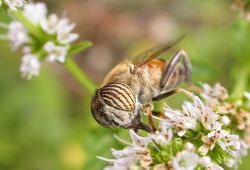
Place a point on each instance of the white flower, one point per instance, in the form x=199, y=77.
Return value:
x=35, y=12
x=211, y=139
x=209, y=118
x=55, y=53
x=52, y=44
x=229, y=142
x=50, y=25
x=14, y=4
x=225, y=120
x=191, y=114
x=213, y=95
x=30, y=66
x=130, y=155
x=202, y=125
x=178, y=120
x=185, y=160
x=163, y=136
x=203, y=113
x=17, y=34
x=64, y=29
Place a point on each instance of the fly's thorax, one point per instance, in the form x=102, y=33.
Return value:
x=120, y=72
x=142, y=83
x=117, y=105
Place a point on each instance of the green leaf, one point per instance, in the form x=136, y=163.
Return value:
x=77, y=48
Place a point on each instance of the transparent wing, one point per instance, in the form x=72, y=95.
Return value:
x=150, y=54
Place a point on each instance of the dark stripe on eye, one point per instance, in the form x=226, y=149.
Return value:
x=124, y=95
x=124, y=87
x=118, y=95
x=110, y=100
x=116, y=99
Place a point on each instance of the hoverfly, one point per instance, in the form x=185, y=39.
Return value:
x=131, y=86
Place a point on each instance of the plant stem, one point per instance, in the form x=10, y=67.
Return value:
x=28, y=25
x=76, y=72
x=241, y=80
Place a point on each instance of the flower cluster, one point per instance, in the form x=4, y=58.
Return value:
x=12, y=4
x=41, y=37
x=242, y=6
x=209, y=132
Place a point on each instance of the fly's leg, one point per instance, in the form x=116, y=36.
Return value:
x=141, y=126
x=180, y=55
x=137, y=124
x=165, y=95
x=150, y=120
x=147, y=109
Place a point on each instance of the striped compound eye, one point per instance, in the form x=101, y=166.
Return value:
x=119, y=96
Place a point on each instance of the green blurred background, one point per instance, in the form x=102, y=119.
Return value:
x=45, y=123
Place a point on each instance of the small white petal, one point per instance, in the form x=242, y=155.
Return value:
x=203, y=150
x=181, y=133
x=35, y=12
x=216, y=126
x=189, y=146
x=64, y=28
x=67, y=38
x=128, y=151
x=124, y=162
x=138, y=140
x=185, y=160
x=205, y=161
x=106, y=159
x=30, y=66
x=225, y=120
x=217, y=167
x=17, y=34
x=50, y=25
x=230, y=162
x=55, y=53
x=14, y=4
x=214, y=95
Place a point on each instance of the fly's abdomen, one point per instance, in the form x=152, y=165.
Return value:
x=118, y=95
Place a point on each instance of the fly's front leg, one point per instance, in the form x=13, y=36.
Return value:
x=148, y=110
x=172, y=65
